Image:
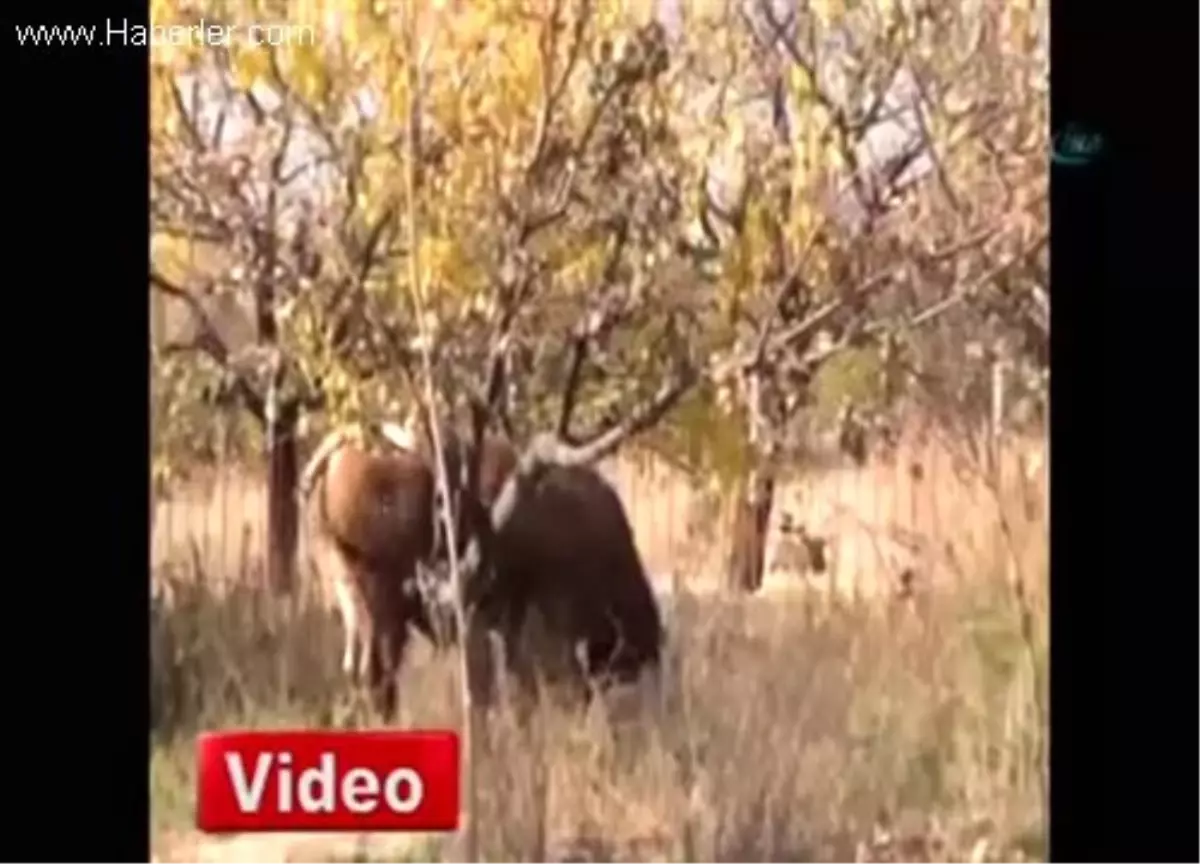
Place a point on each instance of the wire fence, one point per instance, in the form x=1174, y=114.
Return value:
x=925, y=506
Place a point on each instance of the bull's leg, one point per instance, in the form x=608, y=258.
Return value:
x=387, y=655
x=481, y=664
x=366, y=652
x=353, y=648
x=547, y=667
x=380, y=685
x=520, y=662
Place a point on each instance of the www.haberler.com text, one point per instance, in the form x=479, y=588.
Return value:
x=120, y=32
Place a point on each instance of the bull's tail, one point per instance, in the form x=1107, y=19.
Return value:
x=398, y=435
x=315, y=467
x=310, y=479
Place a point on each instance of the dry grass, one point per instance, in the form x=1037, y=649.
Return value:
x=790, y=726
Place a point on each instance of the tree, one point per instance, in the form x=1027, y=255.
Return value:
x=584, y=261
x=513, y=211
x=259, y=159
x=851, y=141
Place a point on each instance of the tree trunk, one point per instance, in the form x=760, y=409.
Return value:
x=747, y=560
x=283, y=512
x=151, y=501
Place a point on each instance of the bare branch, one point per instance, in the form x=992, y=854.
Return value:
x=292, y=97
x=550, y=449
x=788, y=287
x=218, y=134
x=836, y=112
x=370, y=250
x=209, y=338
x=185, y=116
x=951, y=251
x=599, y=324
x=547, y=45
x=547, y=449
x=208, y=341
x=579, y=352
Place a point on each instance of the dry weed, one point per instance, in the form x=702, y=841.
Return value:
x=789, y=726
x=785, y=729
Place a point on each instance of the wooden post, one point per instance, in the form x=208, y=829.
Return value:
x=996, y=424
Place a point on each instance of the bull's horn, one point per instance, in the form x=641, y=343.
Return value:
x=399, y=436
x=316, y=463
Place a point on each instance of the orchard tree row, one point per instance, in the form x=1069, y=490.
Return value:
x=715, y=225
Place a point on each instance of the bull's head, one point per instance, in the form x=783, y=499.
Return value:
x=448, y=499
x=469, y=505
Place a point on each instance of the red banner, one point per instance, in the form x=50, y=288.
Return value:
x=327, y=781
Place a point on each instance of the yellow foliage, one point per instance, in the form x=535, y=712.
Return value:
x=483, y=83
x=1021, y=27
x=163, y=117
x=446, y=267
x=307, y=71
x=737, y=282
x=800, y=84
x=250, y=63
x=757, y=236
x=581, y=266
x=828, y=11
x=709, y=439
x=310, y=12
x=802, y=224
x=852, y=375
x=173, y=257
x=343, y=402
x=164, y=13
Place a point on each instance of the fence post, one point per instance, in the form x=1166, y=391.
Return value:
x=996, y=425
x=223, y=491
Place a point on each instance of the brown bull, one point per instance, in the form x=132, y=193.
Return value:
x=369, y=523
x=372, y=521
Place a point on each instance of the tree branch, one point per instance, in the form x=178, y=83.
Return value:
x=209, y=342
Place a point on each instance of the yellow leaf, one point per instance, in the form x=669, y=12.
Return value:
x=307, y=12
x=250, y=63
x=162, y=103
x=800, y=225
x=800, y=84
x=585, y=269
x=166, y=53
x=171, y=255
x=829, y=11
x=308, y=72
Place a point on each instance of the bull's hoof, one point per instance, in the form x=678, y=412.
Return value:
x=348, y=713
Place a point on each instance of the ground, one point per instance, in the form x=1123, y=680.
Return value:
x=787, y=730
x=800, y=724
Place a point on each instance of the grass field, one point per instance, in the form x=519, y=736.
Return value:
x=794, y=725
